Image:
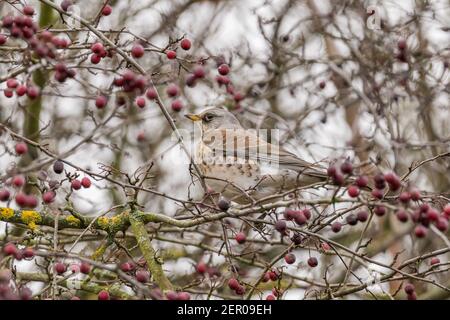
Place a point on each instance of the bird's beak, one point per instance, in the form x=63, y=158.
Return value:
x=193, y=117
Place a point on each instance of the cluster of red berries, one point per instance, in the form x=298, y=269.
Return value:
x=10, y=249
x=234, y=285
x=99, y=52
x=13, y=85
x=12, y=292
x=300, y=217
x=77, y=184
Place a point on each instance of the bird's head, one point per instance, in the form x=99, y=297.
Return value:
x=214, y=118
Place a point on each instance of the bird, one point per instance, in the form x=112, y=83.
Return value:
x=240, y=165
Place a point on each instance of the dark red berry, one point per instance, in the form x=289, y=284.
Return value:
x=18, y=181
x=10, y=249
x=322, y=84
x=140, y=102
x=21, y=148
x=353, y=191
x=300, y=218
x=60, y=267
x=409, y=288
x=76, y=184
x=107, y=10
x=137, y=51
x=223, y=69
x=201, y=267
x=434, y=260
x=420, y=231
x=28, y=10
x=379, y=211
x=415, y=195
x=401, y=44
x=233, y=284
x=351, y=219
x=4, y=195
x=347, y=167
x=177, y=105
x=101, y=101
x=312, y=262
x=289, y=258
x=362, y=181
x=58, y=166
x=240, y=238
x=223, y=204
x=32, y=92
x=185, y=44
x=48, y=197
x=103, y=295
x=289, y=214
x=336, y=227
x=142, y=276
x=172, y=90
x=402, y=215
x=85, y=268
x=199, y=72
x=171, y=54
x=280, y=226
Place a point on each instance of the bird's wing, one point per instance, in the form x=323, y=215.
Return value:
x=245, y=145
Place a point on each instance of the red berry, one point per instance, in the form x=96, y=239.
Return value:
x=353, y=191
x=362, y=181
x=177, y=105
x=336, y=227
x=103, y=295
x=107, y=10
x=48, y=197
x=402, y=215
x=32, y=92
x=312, y=262
x=409, y=288
x=8, y=93
x=222, y=80
x=28, y=253
x=21, y=199
x=442, y=224
x=351, y=219
x=58, y=166
x=322, y=84
x=151, y=93
x=184, y=296
x=223, y=204
x=86, y=182
x=171, y=54
x=223, y=69
x=404, y=197
x=447, y=210
x=97, y=48
x=307, y=213
x=126, y=267
x=270, y=297
x=28, y=10
x=3, y=39
x=140, y=102
x=12, y=83
x=393, y=180
x=21, y=90
x=185, y=44
x=60, y=267
x=101, y=101
x=76, y=184
x=4, y=195
x=377, y=194
x=273, y=275
x=362, y=216
x=172, y=90
x=338, y=179
x=420, y=231
x=21, y=148
x=85, y=268
x=199, y=72
x=240, y=291
x=240, y=238
x=18, y=181
x=300, y=218
x=434, y=260
x=289, y=258
x=280, y=226
x=233, y=284
x=347, y=167
x=142, y=276
x=432, y=215
x=379, y=211
x=95, y=58
x=137, y=51
x=10, y=249
x=201, y=267
x=31, y=201
x=289, y=214
x=415, y=195
x=238, y=96
x=172, y=295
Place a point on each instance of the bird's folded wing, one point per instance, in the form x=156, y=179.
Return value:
x=245, y=145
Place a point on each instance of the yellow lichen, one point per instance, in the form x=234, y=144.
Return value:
x=30, y=218
x=6, y=213
x=103, y=222
x=73, y=221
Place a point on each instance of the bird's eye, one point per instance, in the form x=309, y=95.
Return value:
x=208, y=117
